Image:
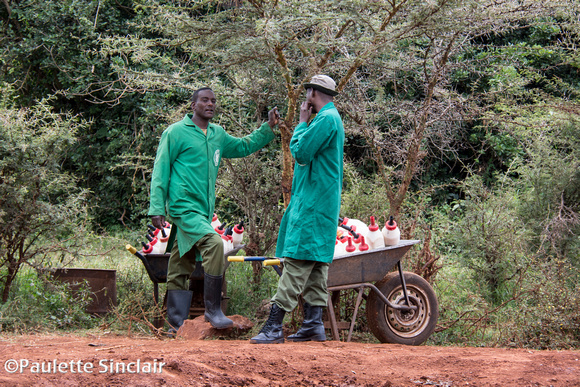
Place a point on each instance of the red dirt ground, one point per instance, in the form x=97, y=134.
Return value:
x=91, y=360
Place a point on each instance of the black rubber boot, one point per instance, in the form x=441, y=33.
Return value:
x=271, y=332
x=212, y=298
x=178, y=304
x=312, y=328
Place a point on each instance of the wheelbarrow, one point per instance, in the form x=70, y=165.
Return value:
x=156, y=268
x=401, y=307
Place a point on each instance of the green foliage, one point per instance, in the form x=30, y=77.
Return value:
x=363, y=197
x=549, y=317
x=490, y=240
x=501, y=284
x=40, y=304
x=55, y=50
x=460, y=306
x=541, y=314
x=550, y=184
x=431, y=93
x=38, y=200
x=136, y=309
x=246, y=297
x=249, y=190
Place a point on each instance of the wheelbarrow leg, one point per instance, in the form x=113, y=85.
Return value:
x=156, y=293
x=358, y=302
x=333, y=325
x=157, y=321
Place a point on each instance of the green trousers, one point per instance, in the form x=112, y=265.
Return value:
x=302, y=277
x=179, y=269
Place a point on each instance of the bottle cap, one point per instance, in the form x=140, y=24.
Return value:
x=239, y=228
x=391, y=224
x=373, y=226
x=350, y=247
x=363, y=246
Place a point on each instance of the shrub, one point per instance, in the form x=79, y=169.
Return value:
x=39, y=303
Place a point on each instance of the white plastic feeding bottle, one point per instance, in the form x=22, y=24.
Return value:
x=238, y=234
x=155, y=245
x=162, y=239
x=391, y=233
x=357, y=225
x=375, y=238
x=167, y=228
x=227, y=241
x=151, y=247
x=215, y=222
x=340, y=246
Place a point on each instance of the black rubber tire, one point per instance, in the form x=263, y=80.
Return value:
x=403, y=327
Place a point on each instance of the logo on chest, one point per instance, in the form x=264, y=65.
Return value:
x=216, y=157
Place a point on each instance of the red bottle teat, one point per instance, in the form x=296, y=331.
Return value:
x=373, y=226
x=147, y=248
x=363, y=246
x=350, y=247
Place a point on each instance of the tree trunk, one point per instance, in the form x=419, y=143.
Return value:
x=287, y=164
x=8, y=283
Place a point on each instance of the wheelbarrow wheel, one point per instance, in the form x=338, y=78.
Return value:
x=412, y=327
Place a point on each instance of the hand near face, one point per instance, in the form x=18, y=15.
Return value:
x=273, y=117
x=305, y=111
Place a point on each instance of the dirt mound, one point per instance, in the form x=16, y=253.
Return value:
x=199, y=329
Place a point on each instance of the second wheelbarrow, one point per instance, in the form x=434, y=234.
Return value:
x=401, y=307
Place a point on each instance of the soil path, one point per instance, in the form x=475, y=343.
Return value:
x=92, y=361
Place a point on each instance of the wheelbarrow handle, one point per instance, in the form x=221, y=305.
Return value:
x=241, y=258
x=266, y=261
x=135, y=252
x=272, y=262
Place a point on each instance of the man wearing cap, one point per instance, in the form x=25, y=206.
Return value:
x=183, y=183
x=308, y=229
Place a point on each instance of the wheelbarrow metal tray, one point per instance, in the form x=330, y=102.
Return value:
x=368, y=266
x=158, y=266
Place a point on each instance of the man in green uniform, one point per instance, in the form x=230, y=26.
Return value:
x=308, y=229
x=183, y=183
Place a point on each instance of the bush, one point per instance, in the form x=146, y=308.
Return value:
x=363, y=197
x=247, y=298
x=40, y=303
x=136, y=309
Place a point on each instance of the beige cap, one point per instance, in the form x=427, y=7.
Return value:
x=322, y=83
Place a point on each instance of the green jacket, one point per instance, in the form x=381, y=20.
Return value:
x=185, y=172
x=308, y=228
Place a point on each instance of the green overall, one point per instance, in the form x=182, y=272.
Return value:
x=308, y=229
x=183, y=186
